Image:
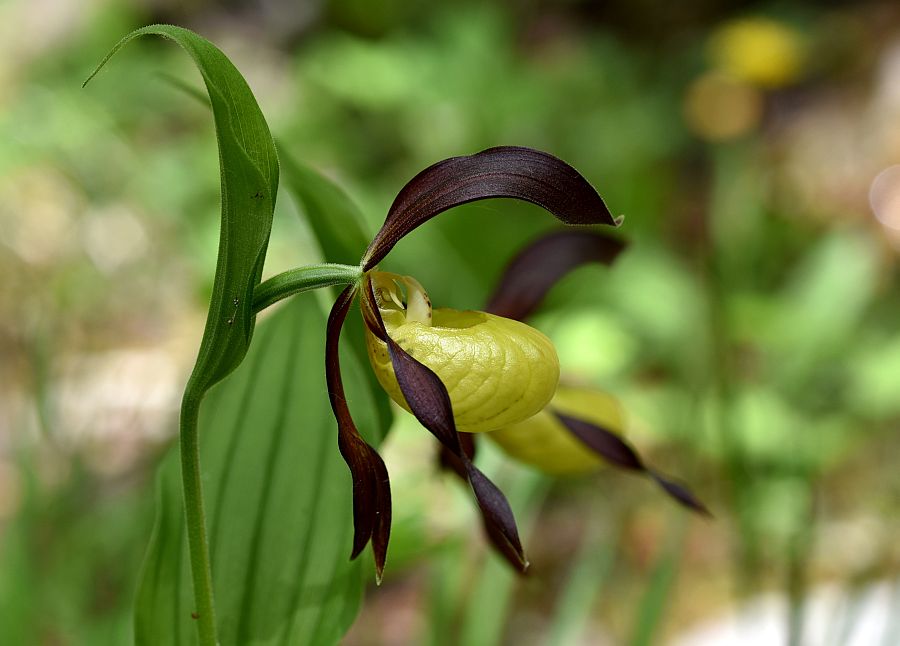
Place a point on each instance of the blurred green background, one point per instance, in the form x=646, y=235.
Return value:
x=751, y=328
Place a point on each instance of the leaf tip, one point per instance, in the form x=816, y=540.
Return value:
x=90, y=76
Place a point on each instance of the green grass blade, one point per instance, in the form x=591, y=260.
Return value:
x=589, y=571
x=656, y=599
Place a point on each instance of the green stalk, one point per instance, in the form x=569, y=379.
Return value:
x=295, y=281
x=267, y=293
x=198, y=544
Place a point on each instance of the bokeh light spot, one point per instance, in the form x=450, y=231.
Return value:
x=718, y=107
x=884, y=197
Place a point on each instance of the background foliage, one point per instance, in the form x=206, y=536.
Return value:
x=750, y=328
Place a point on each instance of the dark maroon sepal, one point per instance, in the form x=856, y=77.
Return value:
x=371, y=485
x=543, y=263
x=504, y=171
x=615, y=450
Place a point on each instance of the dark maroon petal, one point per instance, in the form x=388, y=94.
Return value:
x=618, y=452
x=497, y=517
x=512, y=554
x=448, y=461
x=604, y=443
x=426, y=395
x=430, y=404
x=681, y=493
x=505, y=171
x=371, y=486
x=540, y=265
x=511, y=550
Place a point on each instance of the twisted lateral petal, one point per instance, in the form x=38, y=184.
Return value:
x=619, y=453
x=504, y=171
x=497, y=371
x=546, y=444
x=543, y=263
x=429, y=401
x=371, y=485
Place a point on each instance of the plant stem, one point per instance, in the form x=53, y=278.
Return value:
x=198, y=545
x=302, y=279
x=271, y=291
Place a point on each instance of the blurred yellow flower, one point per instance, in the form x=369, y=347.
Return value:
x=760, y=51
x=720, y=107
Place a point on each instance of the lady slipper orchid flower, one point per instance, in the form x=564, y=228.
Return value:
x=581, y=428
x=455, y=371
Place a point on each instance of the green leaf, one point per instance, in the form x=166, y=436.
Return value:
x=335, y=219
x=278, y=500
x=248, y=165
x=249, y=174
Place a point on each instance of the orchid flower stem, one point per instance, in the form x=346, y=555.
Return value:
x=198, y=544
x=302, y=279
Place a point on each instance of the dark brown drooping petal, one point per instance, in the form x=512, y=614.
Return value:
x=429, y=401
x=448, y=461
x=540, y=265
x=505, y=171
x=616, y=451
x=371, y=485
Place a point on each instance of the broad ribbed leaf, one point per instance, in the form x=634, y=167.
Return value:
x=504, y=171
x=278, y=500
x=543, y=263
x=249, y=175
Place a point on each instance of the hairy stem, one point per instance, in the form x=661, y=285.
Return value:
x=198, y=544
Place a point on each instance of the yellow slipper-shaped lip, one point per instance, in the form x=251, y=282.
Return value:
x=497, y=371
